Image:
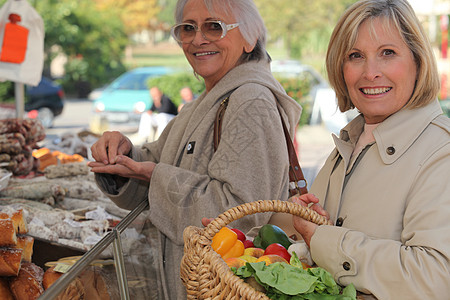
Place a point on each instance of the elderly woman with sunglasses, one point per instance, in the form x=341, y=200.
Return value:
x=182, y=175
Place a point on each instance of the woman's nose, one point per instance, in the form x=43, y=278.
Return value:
x=199, y=38
x=372, y=69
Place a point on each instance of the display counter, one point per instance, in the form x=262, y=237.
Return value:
x=92, y=263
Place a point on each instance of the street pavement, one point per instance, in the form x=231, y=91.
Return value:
x=314, y=145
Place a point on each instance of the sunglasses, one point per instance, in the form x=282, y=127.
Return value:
x=211, y=31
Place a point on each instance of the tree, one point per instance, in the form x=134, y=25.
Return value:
x=303, y=26
x=136, y=15
x=93, y=40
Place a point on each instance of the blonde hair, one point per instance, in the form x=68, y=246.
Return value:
x=400, y=14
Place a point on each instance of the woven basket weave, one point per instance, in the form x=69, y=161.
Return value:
x=205, y=274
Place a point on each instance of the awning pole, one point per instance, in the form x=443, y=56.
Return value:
x=19, y=90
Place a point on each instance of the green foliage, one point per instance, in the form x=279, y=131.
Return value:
x=6, y=92
x=93, y=40
x=305, y=27
x=299, y=88
x=172, y=84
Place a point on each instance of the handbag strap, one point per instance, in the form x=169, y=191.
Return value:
x=218, y=122
x=297, y=181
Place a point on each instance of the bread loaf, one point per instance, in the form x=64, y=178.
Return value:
x=50, y=276
x=28, y=283
x=74, y=291
x=8, y=235
x=18, y=218
x=5, y=292
x=93, y=283
x=10, y=260
x=25, y=242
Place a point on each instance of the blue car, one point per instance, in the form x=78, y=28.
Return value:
x=123, y=101
x=45, y=101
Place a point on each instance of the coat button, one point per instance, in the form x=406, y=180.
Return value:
x=346, y=266
x=340, y=221
x=390, y=150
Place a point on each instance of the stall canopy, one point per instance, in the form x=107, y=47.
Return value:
x=22, y=47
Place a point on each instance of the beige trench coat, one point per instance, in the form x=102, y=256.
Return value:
x=394, y=210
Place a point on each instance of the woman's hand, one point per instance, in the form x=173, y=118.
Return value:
x=110, y=144
x=125, y=167
x=206, y=221
x=110, y=157
x=304, y=227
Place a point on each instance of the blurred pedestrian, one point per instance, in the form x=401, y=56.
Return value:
x=154, y=121
x=186, y=95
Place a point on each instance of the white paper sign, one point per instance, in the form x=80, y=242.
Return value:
x=29, y=71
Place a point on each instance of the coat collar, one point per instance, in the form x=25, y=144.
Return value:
x=397, y=133
x=249, y=72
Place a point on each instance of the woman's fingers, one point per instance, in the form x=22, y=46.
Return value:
x=206, y=221
x=304, y=199
x=320, y=210
x=110, y=144
x=310, y=201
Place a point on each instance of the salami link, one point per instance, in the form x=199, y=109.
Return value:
x=5, y=157
x=10, y=146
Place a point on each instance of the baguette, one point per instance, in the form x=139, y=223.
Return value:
x=10, y=260
x=17, y=217
x=25, y=242
x=28, y=283
x=8, y=235
x=5, y=292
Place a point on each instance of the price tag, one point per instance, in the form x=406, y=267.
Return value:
x=62, y=268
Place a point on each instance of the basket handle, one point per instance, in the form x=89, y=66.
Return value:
x=262, y=206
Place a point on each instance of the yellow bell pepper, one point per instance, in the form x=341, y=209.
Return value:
x=226, y=243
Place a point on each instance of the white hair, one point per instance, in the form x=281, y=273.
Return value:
x=245, y=12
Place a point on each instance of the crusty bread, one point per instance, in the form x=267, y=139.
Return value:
x=5, y=292
x=74, y=291
x=18, y=218
x=8, y=235
x=10, y=260
x=93, y=283
x=25, y=242
x=50, y=276
x=28, y=284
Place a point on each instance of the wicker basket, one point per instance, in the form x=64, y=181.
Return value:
x=205, y=274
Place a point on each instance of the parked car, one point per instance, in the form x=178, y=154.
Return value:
x=44, y=101
x=122, y=102
x=323, y=102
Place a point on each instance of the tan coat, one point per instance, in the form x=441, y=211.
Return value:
x=190, y=181
x=394, y=241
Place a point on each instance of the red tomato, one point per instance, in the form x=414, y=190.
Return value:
x=278, y=249
x=248, y=244
x=240, y=235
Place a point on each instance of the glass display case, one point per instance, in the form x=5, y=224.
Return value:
x=121, y=266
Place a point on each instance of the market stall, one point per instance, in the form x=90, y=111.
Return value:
x=81, y=243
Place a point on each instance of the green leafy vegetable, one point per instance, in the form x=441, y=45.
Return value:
x=284, y=281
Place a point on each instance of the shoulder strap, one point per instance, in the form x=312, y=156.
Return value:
x=297, y=182
x=218, y=121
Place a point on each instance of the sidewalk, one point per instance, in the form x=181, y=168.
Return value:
x=314, y=145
